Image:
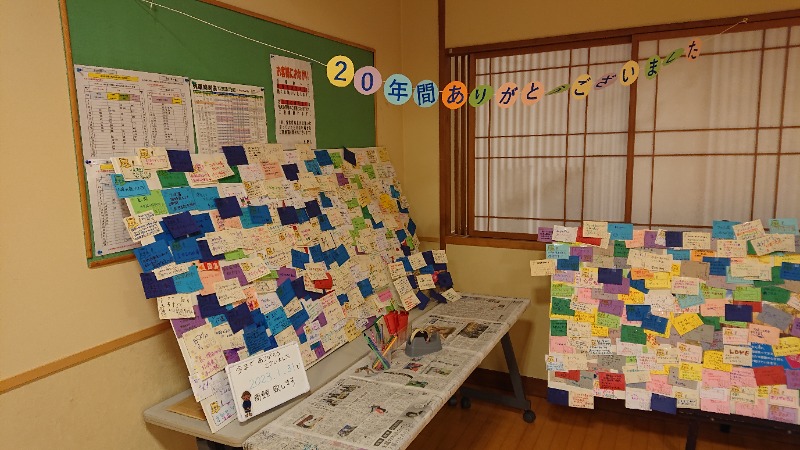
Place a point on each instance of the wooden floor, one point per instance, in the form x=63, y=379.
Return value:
x=485, y=427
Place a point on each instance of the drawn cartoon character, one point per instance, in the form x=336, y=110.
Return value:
x=247, y=404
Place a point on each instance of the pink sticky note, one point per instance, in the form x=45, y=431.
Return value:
x=764, y=334
x=715, y=406
x=716, y=379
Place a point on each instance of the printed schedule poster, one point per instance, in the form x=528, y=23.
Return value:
x=109, y=233
x=122, y=110
x=227, y=114
x=293, y=89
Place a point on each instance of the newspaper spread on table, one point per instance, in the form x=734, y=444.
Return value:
x=365, y=408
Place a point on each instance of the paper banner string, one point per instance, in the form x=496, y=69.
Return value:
x=345, y=81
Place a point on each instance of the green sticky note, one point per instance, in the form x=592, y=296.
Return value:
x=630, y=360
x=357, y=181
x=272, y=275
x=410, y=244
x=235, y=178
x=711, y=292
x=711, y=321
x=775, y=294
x=365, y=212
x=336, y=157
x=369, y=170
x=607, y=320
x=560, y=306
x=776, y=278
x=747, y=294
x=352, y=203
x=620, y=249
x=359, y=223
x=561, y=290
x=634, y=335
x=750, y=250
x=733, y=324
x=172, y=179
x=558, y=327
x=153, y=202
x=235, y=254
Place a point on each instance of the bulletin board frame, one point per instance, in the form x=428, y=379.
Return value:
x=94, y=33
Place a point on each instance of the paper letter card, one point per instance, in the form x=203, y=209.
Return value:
x=264, y=381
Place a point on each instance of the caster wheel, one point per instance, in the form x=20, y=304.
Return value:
x=465, y=402
x=528, y=416
x=453, y=401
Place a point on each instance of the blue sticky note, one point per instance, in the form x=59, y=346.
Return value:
x=312, y=166
x=290, y=171
x=763, y=356
x=664, y=404
x=258, y=318
x=185, y=250
x=239, y=317
x=637, y=313
x=277, y=320
x=259, y=215
x=313, y=209
x=342, y=256
x=620, y=231
x=323, y=157
x=179, y=199
x=571, y=263
x=299, y=259
x=204, y=222
x=557, y=396
x=436, y=296
x=738, y=313
x=235, y=155
x=342, y=299
x=680, y=255
x=717, y=266
x=217, y=320
x=204, y=198
x=423, y=300
x=790, y=271
x=444, y=280
x=316, y=253
x=209, y=305
x=247, y=221
x=188, y=282
x=557, y=251
x=325, y=201
x=349, y=156
x=674, y=238
x=288, y=215
x=228, y=207
x=687, y=300
x=152, y=256
x=180, y=161
x=256, y=339
x=299, y=287
x=154, y=287
x=655, y=323
x=401, y=235
x=127, y=189
x=426, y=270
x=302, y=215
x=609, y=276
x=365, y=287
x=412, y=227
x=299, y=318
x=285, y=291
x=723, y=229
x=412, y=280
x=783, y=226
x=324, y=223
x=180, y=225
x=205, y=252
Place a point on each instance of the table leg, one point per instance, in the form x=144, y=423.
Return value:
x=691, y=436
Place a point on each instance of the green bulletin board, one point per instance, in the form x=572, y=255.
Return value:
x=130, y=34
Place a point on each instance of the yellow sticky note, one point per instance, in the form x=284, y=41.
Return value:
x=634, y=297
x=690, y=371
x=687, y=322
x=676, y=269
x=581, y=316
x=787, y=346
x=714, y=359
x=599, y=331
x=660, y=280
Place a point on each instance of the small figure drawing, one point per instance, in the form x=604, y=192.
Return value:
x=247, y=404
